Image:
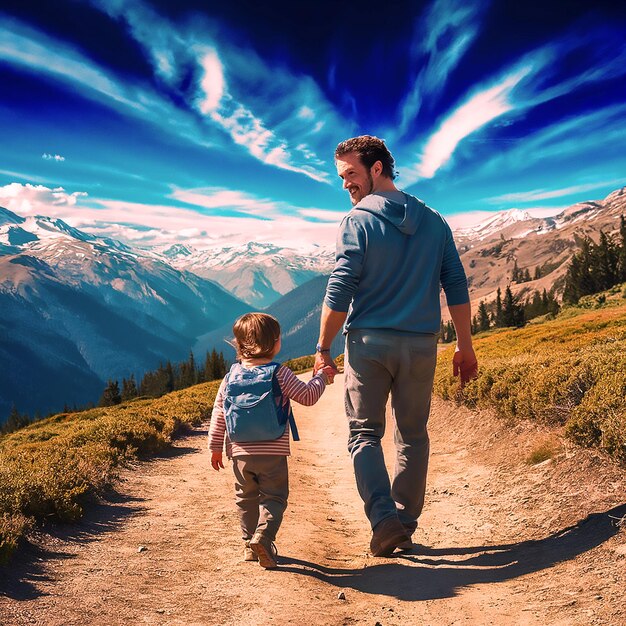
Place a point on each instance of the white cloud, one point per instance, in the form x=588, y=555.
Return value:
x=306, y=113
x=546, y=194
x=322, y=215
x=52, y=157
x=150, y=224
x=478, y=110
x=212, y=81
x=439, y=43
x=220, y=198
x=27, y=199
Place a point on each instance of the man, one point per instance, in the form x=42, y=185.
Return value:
x=393, y=253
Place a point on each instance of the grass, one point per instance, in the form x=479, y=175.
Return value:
x=569, y=371
x=50, y=468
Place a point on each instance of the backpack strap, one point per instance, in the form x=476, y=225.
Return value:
x=279, y=394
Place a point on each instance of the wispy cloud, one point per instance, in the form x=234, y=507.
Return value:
x=480, y=109
x=205, y=117
x=441, y=39
x=321, y=215
x=547, y=194
x=604, y=130
x=52, y=157
x=220, y=198
x=534, y=79
x=23, y=46
x=265, y=110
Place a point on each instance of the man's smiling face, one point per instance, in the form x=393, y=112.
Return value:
x=356, y=177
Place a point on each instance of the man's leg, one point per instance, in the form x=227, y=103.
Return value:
x=367, y=385
x=410, y=400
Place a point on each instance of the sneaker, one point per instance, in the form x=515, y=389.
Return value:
x=387, y=536
x=265, y=551
x=249, y=554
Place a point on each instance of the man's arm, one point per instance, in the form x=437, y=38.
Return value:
x=464, y=361
x=331, y=323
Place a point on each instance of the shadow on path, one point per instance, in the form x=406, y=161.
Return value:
x=423, y=576
x=29, y=566
x=20, y=579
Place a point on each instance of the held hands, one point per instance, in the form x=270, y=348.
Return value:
x=465, y=365
x=330, y=372
x=217, y=461
x=323, y=360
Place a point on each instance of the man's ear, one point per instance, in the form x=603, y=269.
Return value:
x=377, y=169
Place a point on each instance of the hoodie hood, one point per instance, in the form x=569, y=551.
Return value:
x=405, y=217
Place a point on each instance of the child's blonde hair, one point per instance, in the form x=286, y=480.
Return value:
x=256, y=335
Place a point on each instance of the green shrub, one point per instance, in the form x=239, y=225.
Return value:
x=569, y=371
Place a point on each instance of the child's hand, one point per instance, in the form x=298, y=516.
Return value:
x=217, y=461
x=330, y=373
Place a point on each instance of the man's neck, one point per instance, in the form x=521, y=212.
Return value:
x=384, y=184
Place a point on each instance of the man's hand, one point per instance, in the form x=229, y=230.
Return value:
x=322, y=360
x=217, y=461
x=465, y=364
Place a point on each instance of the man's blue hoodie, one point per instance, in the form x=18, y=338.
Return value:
x=391, y=260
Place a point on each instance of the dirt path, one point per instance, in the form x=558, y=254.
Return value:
x=504, y=542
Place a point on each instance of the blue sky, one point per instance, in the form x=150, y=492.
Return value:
x=159, y=122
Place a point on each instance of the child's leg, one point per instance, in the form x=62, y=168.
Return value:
x=246, y=494
x=273, y=476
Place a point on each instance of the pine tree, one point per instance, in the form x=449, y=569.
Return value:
x=515, y=274
x=526, y=278
x=483, y=316
x=111, y=394
x=512, y=312
x=499, y=319
x=622, y=250
x=129, y=388
x=537, y=275
x=14, y=421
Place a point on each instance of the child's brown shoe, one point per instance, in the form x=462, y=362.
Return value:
x=249, y=554
x=265, y=551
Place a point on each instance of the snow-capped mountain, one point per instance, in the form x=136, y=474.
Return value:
x=76, y=309
x=490, y=250
x=257, y=273
x=492, y=224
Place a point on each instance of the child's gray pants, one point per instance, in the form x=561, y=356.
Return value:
x=261, y=492
x=379, y=363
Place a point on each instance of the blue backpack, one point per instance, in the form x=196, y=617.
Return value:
x=253, y=404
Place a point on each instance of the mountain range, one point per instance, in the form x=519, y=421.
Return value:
x=77, y=309
x=491, y=250
x=257, y=273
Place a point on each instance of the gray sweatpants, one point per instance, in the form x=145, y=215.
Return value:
x=261, y=492
x=379, y=363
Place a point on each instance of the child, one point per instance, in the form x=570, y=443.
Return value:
x=260, y=466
